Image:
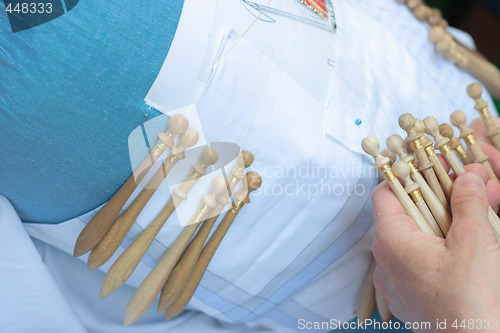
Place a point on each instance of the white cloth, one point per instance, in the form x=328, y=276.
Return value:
x=301, y=98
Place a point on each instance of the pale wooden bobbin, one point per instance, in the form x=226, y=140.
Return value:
x=370, y=145
x=392, y=157
x=475, y=91
x=366, y=302
x=241, y=198
x=407, y=123
x=458, y=169
x=459, y=119
x=402, y=171
x=116, y=234
x=183, y=269
x=455, y=143
x=439, y=169
x=95, y=230
x=412, y=4
x=436, y=19
x=145, y=295
x=441, y=214
x=422, y=12
x=127, y=262
x=487, y=73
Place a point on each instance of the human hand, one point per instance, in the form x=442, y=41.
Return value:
x=485, y=143
x=425, y=277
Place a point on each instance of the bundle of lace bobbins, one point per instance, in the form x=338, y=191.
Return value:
x=424, y=191
x=471, y=61
x=179, y=271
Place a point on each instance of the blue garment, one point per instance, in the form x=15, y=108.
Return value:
x=71, y=91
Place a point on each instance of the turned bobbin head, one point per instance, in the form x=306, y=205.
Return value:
x=177, y=125
x=412, y=4
x=406, y=122
x=186, y=140
x=419, y=126
x=371, y=146
x=248, y=158
x=395, y=143
x=447, y=131
x=432, y=128
x=422, y=12
x=436, y=19
x=459, y=119
x=444, y=46
x=391, y=155
x=253, y=182
x=219, y=186
x=475, y=91
x=209, y=156
x=402, y=171
x=436, y=34
x=418, y=130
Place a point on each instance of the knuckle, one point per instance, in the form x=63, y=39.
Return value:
x=472, y=198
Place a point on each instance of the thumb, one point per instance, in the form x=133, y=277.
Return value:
x=469, y=206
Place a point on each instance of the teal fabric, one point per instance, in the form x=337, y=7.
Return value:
x=71, y=91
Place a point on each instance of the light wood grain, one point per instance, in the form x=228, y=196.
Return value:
x=95, y=230
x=115, y=235
x=240, y=198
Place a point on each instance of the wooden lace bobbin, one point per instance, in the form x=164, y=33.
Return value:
x=149, y=289
x=438, y=167
x=440, y=213
x=407, y=123
x=436, y=19
x=441, y=174
x=458, y=169
x=366, y=302
x=422, y=12
x=254, y=181
x=475, y=91
x=455, y=143
x=179, y=276
x=487, y=73
x=370, y=145
x=402, y=171
x=458, y=119
x=127, y=262
x=412, y=4
x=392, y=157
x=115, y=235
x=95, y=230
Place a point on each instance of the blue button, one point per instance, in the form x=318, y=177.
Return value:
x=358, y=122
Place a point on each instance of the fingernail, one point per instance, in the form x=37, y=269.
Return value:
x=469, y=178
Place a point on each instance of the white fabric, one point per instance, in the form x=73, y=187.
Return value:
x=301, y=98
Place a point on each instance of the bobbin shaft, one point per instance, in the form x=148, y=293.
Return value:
x=94, y=231
x=479, y=156
x=205, y=257
x=405, y=200
x=425, y=166
x=116, y=234
x=440, y=213
x=127, y=262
